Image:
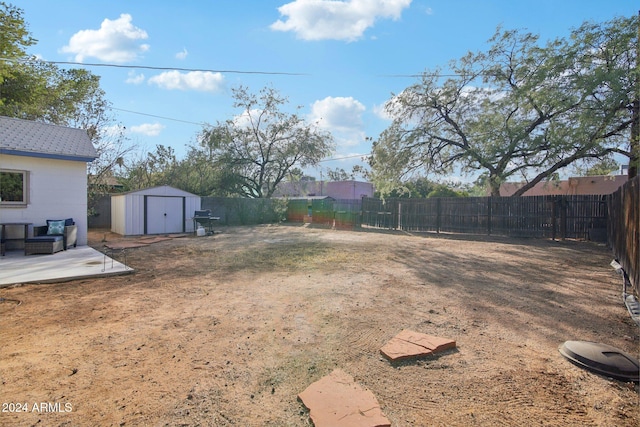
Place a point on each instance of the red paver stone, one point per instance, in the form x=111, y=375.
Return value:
x=410, y=345
x=338, y=401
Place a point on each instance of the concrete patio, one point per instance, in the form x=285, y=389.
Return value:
x=74, y=263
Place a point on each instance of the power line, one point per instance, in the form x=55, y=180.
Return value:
x=160, y=117
x=205, y=124
x=425, y=74
x=149, y=67
x=344, y=157
x=158, y=68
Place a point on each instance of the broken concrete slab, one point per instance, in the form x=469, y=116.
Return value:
x=411, y=345
x=336, y=400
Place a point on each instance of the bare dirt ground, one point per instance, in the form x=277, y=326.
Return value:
x=226, y=330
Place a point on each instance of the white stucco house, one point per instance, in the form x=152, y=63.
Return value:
x=43, y=174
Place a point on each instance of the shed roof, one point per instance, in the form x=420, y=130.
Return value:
x=34, y=139
x=161, y=190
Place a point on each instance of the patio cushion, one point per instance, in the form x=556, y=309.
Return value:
x=67, y=222
x=45, y=239
x=55, y=227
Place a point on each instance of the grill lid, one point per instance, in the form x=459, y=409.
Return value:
x=202, y=214
x=602, y=359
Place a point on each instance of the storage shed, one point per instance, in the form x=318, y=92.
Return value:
x=156, y=210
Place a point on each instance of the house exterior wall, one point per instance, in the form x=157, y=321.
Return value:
x=128, y=214
x=350, y=190
x=57, y=189
x=584, y=185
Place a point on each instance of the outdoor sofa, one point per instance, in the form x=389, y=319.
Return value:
x=56, y=236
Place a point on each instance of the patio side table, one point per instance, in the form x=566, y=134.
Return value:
x=3, y=233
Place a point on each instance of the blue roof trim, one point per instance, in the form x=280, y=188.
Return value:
x=46, y=155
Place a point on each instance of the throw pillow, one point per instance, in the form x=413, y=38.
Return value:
x=56, y=227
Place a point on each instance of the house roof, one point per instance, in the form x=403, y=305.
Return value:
x=34, y=139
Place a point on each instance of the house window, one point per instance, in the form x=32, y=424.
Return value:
x=13, y=187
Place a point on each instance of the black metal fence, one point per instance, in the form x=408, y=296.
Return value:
x=581, y=217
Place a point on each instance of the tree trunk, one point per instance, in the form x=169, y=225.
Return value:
x=494, y=185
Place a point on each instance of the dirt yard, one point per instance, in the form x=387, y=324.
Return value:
x=226, y=330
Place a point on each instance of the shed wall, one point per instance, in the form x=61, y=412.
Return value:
x=117, y=214
x=128, y=210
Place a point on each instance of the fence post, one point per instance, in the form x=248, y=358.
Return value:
x=489, y=199
x=563, y=218
x=438, y=214
x=554, y=214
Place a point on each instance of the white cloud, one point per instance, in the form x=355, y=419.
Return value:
x=182, y=55
x=381, y=112
x=336, y=20
x=148, y=129
x=243, y=120
x=342, y=116
x=134, y=78
x=115, y=41
x=204, y=81
x=338, y=113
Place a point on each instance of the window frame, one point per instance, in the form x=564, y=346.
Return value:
x=25, y=189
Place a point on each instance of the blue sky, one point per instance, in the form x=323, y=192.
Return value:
x=342, y=59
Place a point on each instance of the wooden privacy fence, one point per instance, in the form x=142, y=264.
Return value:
x=623, y=231
x=581, y=217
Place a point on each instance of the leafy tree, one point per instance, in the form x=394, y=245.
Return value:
x=196, y=174
x=298, y=175
x=441, y=190
x=14, y=40
x=518, y=109
x=602, y=167
x=158, y=167
x=34, y=90
x=256, y=150
x=338, y=174
x=417, y=187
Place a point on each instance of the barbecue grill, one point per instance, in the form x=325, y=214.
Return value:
x=205, y=219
